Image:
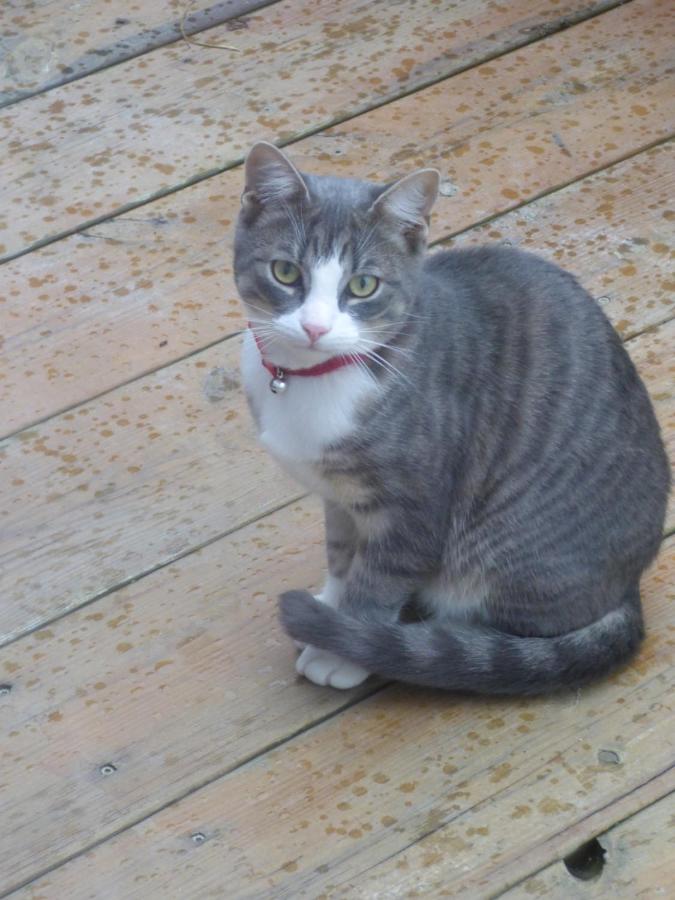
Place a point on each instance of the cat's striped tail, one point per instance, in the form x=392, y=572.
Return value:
x=465, y=657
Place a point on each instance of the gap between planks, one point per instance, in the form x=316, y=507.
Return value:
x=471, y=715
x=152, y=569
x=70, y=579
x=621, y=866
x=171, y=297
x=562, y=842
x=256, y=757
x=435, y=244
x=363, y=694
x=541, y=31
x=192, y=21
x=226, y=533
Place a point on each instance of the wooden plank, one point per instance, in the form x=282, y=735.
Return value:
x=58, y=41
x=441, y=791
x=169, y=622
x=140, y=476
x=131, y=481
x=135, y=131
x=652, y=353
x=639, y=862
x=139, y=291
x=174, y=680
x=595, y=226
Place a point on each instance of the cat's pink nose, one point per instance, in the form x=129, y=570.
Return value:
x=314, y=332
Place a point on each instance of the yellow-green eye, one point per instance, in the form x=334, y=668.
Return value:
x=285, y=272
x=363, y=285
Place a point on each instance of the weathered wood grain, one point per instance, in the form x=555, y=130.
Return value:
x=180, y=677
x=99, y=496
x=139, y=291
x=45, y=44
x=616, y=227
x=407, y=793
x=174, y=680
x=639, y=862
x=114, y=140
x=91, y=679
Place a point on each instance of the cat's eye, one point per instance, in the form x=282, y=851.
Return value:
x=285, y=272
x=363, y=285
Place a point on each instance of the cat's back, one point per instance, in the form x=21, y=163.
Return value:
x=497, y=278
x=550, y=393
x=515, y=299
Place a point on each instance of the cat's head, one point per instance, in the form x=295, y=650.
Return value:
x=328, y=266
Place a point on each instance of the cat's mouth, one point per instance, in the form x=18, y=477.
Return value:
x=292, y=352
x=322, y=348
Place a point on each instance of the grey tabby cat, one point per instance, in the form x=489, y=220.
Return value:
x=492, y=470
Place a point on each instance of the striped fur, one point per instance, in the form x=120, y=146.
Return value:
x=504, y=487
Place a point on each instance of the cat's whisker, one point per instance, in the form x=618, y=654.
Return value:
x=386, y=365
x=402, y=351
x=263, y=328
x=267, y=340
x=259, y=309
x=362, y=366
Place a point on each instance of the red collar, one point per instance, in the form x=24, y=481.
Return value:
x=330, y=365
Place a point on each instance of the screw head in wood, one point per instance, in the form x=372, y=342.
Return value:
x=609, y=756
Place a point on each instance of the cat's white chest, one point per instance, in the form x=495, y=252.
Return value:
x=314, y=412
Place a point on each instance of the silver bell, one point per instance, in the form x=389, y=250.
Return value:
x=278, y=384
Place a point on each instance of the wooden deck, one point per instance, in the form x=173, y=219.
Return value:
x=155, y=741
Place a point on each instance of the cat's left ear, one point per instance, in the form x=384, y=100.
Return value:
x=409, y=201
x=271, y=177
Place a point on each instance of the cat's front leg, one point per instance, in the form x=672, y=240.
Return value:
x=380, y=584
x=377, y=587
x=341, y=538
x=321, y=666
x=341, y=541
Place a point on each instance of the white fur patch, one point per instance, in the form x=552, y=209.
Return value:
x=321, y=303
x=314, y=412
x=331, y=592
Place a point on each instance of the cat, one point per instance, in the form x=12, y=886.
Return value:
x=492, y=471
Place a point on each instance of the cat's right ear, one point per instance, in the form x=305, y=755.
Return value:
x=407, y=202
x=270, y=178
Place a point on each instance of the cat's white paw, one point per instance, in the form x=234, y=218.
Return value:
x=325, y=668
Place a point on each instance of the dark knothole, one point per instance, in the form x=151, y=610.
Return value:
x=587, y=862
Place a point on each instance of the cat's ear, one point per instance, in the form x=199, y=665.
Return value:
x=270, y=177
x=408, y=202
